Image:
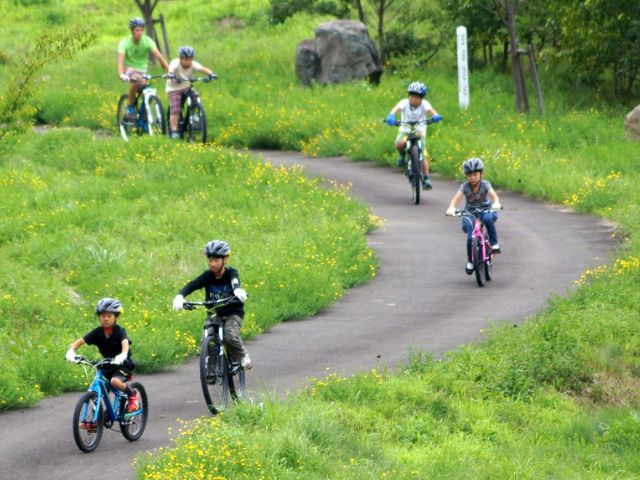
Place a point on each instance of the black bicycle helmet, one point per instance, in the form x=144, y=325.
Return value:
x=471, y=165
x=217, y=248
x=109, y=305
x=186, y=51
x=136, y=22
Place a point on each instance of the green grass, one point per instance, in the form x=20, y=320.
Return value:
x=554, y=398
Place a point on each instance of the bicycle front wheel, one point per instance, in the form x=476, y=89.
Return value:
x=236, y=382
x=88, y=422
x=214, y=375
x=197, y=124
x=416, y=186
x=133, y=424
x=125, y=124
x=478, y=264
x=155, y=121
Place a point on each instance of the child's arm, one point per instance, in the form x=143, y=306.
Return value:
x=122, y=356
x=391, y=118
x=454, y=201
x=121, y=73
x=156, y=53
x=494, y=200
x=205, y=70
x=71, y=353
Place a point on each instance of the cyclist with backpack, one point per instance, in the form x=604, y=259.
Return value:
x=182, y=68
x=413, y=109
x=221, y=281
x=133, y=60
x=480, y=196
x=113, y=342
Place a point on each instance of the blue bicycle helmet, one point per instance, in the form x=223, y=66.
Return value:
x=471, y=165
x=136, y=22
x=217, y=248
x=417, y=88
x=186, y=51
x=109, y=305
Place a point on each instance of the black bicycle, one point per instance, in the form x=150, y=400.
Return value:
x=149, y=113
x=219, y=375
x=414, y=156
x=192, y=123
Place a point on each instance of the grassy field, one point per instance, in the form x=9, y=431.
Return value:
x=555, y=398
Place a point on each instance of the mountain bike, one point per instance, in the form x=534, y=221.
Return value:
x=149, y=111
x=192, y=123
x=413, y=153
x=481, y=252
x=102, y=406
x=219, y=375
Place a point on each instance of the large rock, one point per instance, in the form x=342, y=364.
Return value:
x=632, y=124
x=342, y=51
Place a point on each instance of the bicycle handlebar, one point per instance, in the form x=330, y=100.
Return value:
x=211, y=303
x=194, y=80
x=397, y=123
x=135, y=78
x=94, y=363
x=459, y=213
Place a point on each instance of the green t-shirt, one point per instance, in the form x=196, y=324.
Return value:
x=136, y=56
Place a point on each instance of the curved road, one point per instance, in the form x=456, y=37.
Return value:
x=421, y=298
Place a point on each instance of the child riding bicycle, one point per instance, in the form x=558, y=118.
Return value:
x=133, y=60
x=480, y=197
x=413, y=109
x=221, y=281
x=182, y=68
x=113, y=342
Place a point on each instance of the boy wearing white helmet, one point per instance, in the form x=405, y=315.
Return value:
x=133, y=60
x=413, y=109
x=221, y=281
x=183, y=69
x=479, y=196
x=113, y=342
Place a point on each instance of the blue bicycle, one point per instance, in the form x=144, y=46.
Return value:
x=102, y=406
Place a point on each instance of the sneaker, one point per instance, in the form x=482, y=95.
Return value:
x=426, y=184
x=469, y=268
x=133, y=404
x=246, y=362
x=400, y=161
x=495, y=248
x=89, y=426
x=174, y=135
x=131, y=113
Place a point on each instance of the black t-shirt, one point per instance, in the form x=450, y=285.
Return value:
x=109, y=347
x=217, y=288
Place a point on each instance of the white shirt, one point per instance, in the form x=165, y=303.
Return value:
x=410, y=114
x=176, y=68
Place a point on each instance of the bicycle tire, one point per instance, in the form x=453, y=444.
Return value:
x=478, y=264
x=237, y=387
x=87, y=440
x=155, y=119
x=214, y=375
x=488, y=265
x=416, y=184
x=134, y=424
x=197, y=123
x=125, y=127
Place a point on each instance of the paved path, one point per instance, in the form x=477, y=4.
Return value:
x=421, y=298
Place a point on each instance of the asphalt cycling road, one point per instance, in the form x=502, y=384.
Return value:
x=421, y=298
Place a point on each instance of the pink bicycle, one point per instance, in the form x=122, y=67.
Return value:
x=481, y=252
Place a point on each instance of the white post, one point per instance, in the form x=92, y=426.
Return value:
x=463, y=70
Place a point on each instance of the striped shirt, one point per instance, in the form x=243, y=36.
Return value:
x=476, y=200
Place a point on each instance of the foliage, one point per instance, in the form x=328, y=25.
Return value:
x=282, y=9
x=17, y=101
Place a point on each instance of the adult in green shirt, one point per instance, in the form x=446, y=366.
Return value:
x=133, y=59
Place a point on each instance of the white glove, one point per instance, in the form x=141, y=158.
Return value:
x=120, y=358
x=124, y=77
x=241, y=294
x=71, y=355
x=451, y=211
x=496, y=206
x=178, y=303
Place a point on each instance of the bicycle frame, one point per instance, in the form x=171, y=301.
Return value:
x=103, y=388
x=478, y=233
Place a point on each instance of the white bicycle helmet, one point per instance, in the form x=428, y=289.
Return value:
x=217, y=248
x=109, y=305
x=417, y=88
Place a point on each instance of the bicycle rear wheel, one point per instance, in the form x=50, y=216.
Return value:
x=125, y=125
x=478, y=264
x=488, y=265
x=416, y=184
x=214, y=375
x=133, y=425
x=155, y=121
x=197, y=124
x=87, y=426
x=236, y=382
